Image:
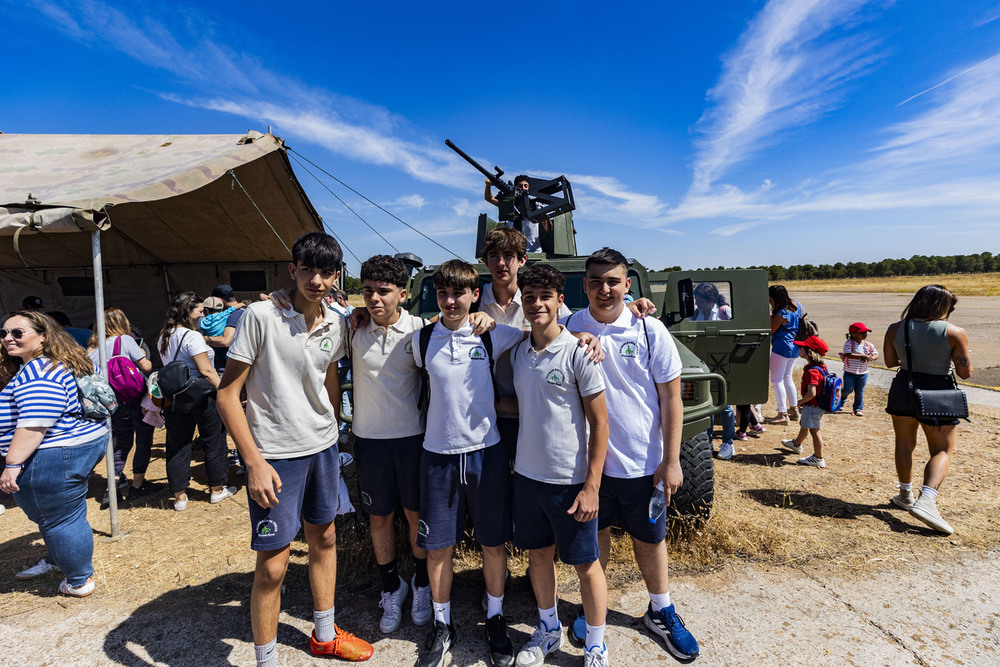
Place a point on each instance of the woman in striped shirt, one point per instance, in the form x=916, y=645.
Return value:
x=50, y=452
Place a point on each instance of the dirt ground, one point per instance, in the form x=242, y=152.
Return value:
x=194, y=569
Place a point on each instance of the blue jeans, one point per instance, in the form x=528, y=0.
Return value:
x=855, y=383
x=53, y=494
x=728, y=417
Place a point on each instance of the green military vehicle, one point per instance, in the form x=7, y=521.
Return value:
x=724, y=362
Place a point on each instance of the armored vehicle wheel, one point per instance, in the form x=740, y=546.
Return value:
x=694, y=498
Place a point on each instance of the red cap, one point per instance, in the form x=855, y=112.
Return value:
x=814, y=343
x=858, y=327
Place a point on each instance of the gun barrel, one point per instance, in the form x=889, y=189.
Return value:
x=482, y=170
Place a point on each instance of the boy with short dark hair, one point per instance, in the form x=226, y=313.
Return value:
x=642, y=376
x=287, y=439
x=388, y=431
x=557, y=473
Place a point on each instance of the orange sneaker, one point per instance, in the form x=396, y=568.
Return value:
x=345, y=646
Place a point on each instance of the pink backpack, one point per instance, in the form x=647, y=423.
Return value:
x=127, y=381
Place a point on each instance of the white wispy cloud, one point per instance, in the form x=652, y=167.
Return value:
x=788, y=69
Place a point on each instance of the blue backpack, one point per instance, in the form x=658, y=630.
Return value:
x=830, y=396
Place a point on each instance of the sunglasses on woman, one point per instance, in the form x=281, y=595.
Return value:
x=15, y=333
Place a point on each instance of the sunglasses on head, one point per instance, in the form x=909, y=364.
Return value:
x=15, y=333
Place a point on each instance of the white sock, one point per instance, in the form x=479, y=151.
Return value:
x=494, y=605
x=267, y=655
x=659, y=600
x=325, y=631
x=549, y=618
x=442, y=612
x=929, y=492
x=595, y=636
x=908, y=486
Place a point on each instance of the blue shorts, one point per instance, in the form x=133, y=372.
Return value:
x=809, y=416
x=389, y=473
x=542, y=521
x=625, y=502
x=449, y=483
x=310, y=489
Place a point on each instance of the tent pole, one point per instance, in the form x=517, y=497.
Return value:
x=102, y=355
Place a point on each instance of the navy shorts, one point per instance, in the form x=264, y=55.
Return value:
x=542, y=521
x=508, y=428
x=389, y=473
x=450, y=483
x=310, y=489
x=625, y=502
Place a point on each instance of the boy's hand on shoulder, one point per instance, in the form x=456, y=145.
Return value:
x=282, y=299
x=585, y=505
x=591, y=345
x=641, y=307
x=263, y=485
x=481, y=323
x=359, y=318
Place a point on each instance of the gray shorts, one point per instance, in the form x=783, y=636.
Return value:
x=810, y=415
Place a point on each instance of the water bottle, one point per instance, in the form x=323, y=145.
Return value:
x=658, y=503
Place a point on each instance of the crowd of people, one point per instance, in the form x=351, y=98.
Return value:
x=569, y=421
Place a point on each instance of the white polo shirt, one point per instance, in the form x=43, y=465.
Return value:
x=288, y=409
x=552, y=440
x=461, y=416
x=631, y=369
x=512, y=317
x=386, y=381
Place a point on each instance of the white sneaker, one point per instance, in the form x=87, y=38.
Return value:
x=726, y=451
x=421, y=609
x=596, y=657
x=222, y=495
x=38, y=569
x=812, y=461
x=903, y=499
x=392, y=608
x=792, y=445
x=2, y=509
x=180, y=505
x=542, y=642
x=925, y=509
x=77, y=591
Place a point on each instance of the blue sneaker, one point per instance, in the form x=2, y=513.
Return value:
x=669, y=626
x=577, y=634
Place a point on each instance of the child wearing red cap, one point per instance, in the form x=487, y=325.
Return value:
x=857, y=354
x=812, y=350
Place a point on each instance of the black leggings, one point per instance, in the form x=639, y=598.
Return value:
x=180, y=431
x=747, y=418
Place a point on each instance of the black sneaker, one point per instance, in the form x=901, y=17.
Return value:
x=137, y=492
x=439, y=643
x=501, y=648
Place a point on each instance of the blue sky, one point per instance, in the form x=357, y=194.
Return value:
x=694, y=133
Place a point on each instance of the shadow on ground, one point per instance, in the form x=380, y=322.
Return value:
x=817, y=505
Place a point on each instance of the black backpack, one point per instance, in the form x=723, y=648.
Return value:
x=188, y=394
x=424, y=340
x=806, y=326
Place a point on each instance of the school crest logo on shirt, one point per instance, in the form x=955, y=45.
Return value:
x=478, y=353
x=628, y=349
x=266, y=528
x=326, y=344
x=555, y=377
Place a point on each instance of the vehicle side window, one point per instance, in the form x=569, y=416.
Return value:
x=713, y=301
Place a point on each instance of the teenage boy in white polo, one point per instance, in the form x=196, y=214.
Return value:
x=642, y=372
x=287, y=439
x=557, y=474
x=388, y=431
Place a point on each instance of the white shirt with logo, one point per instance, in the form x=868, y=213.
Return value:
x=631, y=370
x=552, y=443
x=461, y=415
x=386, y=380
x=288, y=409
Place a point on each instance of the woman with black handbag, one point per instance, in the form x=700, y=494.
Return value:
x=181, y=341
x=924, y=394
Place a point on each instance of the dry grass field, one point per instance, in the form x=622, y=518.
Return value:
x=962, y=284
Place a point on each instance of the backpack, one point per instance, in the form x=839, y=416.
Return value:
x=97, y=399
x=424, y=340
x=830, y=396
x=806, y=326
x=124, y=376
x=188, y=394
x=215, y=323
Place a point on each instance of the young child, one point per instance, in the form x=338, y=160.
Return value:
x=557, y=473
x=287, y=439
x=812, y=350
x=857, y=354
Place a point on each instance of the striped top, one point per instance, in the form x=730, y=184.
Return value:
x=43, y=395
x=857, y=366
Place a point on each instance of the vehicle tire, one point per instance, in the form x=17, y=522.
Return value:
x=694, y=498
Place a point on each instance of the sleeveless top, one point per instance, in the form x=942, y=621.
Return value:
x=929, y=347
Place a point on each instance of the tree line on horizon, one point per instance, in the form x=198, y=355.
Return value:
x=918, y=265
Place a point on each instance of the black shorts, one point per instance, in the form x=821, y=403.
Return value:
x=389, y=473
x=902, y=403
x=625, y=502
x=541, y=521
